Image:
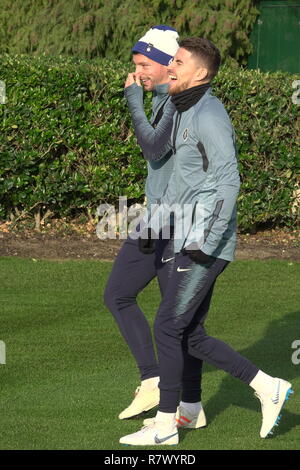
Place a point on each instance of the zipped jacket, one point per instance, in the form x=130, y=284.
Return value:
x=205, y=179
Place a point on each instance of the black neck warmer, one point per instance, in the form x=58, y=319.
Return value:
x=188, y=98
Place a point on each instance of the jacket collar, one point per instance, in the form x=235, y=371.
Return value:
x=161, y=89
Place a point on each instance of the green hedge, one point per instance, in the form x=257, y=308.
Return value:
x=67, y=145
x=267, y=125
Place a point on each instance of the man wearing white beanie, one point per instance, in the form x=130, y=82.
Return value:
x=139, y=261
x=158, y=44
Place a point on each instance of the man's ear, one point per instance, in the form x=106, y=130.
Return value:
x=201, y=74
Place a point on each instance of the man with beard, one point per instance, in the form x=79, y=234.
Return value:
x=206, y=180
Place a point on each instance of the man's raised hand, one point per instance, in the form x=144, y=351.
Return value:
x=133, y=78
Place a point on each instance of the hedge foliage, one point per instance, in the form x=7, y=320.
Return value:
x=67, y=144
x=108, y=28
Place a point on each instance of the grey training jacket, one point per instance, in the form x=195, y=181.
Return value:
x=205, y=179
x=154, y=142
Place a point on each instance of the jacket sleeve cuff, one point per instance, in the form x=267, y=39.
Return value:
x=133, y=91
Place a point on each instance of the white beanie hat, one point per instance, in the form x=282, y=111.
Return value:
x=159, y=44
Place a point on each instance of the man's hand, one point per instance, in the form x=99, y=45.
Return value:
x=199, y=256
x=133, y=78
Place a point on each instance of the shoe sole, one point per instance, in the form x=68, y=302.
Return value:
x=279, y=416
x=146, y=445
x=140, y=414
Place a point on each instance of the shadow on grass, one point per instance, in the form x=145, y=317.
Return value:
x=273, y=355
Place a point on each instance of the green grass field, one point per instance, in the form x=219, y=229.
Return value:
x=68, y=373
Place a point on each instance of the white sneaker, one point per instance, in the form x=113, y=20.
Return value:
x=185, y=419
x=144, y=400
x=272, y=404
x=152, y=435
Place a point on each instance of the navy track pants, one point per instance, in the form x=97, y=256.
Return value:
x=179, y=326
x=131, y=272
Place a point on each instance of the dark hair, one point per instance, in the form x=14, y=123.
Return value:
x=206, y=51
